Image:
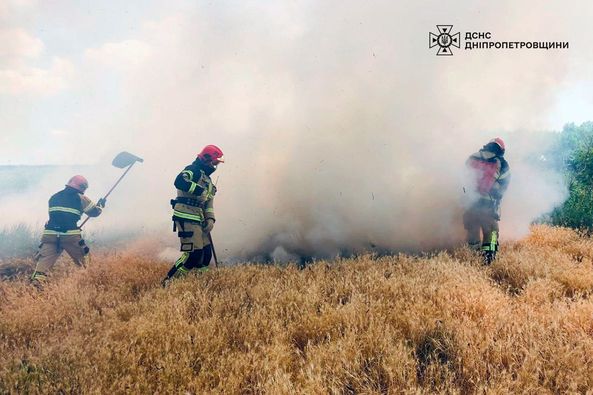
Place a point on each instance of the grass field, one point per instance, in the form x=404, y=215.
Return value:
x=367, y=325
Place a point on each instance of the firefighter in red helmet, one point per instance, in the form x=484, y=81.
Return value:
x=193, y=212
x=491, y=175
x=62, y=231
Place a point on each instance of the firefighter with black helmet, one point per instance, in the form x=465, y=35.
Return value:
x=491, y=176
x=193, y=212
x=62, y=231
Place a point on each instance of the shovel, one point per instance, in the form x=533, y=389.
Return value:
x=122, y=160
x=213, y=250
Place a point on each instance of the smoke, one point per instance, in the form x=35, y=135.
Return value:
x=342, y=131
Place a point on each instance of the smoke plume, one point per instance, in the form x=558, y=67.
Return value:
x=342, y=131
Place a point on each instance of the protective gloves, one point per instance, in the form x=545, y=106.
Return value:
x=209, y=225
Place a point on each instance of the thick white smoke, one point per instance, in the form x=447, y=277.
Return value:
x=342, y=131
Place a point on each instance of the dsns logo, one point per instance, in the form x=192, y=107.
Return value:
x=444, y=40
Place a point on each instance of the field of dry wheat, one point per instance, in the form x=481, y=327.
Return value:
x=439, y=323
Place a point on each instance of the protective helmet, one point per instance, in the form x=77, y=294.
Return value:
x=211, y=154
x=498, y=141
x=79, y=183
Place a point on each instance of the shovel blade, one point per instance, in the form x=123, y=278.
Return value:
x=125, y=159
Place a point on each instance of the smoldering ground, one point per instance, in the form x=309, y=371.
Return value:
x=342, y=131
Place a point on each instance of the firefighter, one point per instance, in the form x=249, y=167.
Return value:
x=62, y=231
x=193, y=212
x=491, y=175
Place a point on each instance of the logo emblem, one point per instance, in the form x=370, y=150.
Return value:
x=444, y=40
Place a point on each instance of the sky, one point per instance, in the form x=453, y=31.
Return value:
x=340, y=126
x=65, y=65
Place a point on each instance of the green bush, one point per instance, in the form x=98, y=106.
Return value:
x=574, y=154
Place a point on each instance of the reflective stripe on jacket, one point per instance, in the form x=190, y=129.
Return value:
x=193, y=184
x=65, y=209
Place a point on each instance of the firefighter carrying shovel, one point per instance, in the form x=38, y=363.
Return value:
x=62, y=231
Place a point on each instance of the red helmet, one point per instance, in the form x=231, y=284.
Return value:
x=499, y=142
x=211, y=154
x=79, y=183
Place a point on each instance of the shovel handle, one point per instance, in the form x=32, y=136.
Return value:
x=118, y=181
x=213, y=250
x=109, y=193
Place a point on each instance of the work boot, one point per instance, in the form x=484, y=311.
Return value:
x=203, y=269
x=474, y=245
x=180, y=271
x=38, y=279
x=489, y=257
x=165, y=282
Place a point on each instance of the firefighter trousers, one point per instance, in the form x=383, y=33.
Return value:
x=481, y=225
x=198, y=259
x=195, y=248
x=52, y=247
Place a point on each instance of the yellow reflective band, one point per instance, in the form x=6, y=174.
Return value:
x=38, y=276
x=208, y=193
x=209, y=210
x=65, y=210
x=192, y=188
x=493, y=241
x=504, y=175
x=490, y=245
x=68, y=232
x=189, y=173
x=193, y=217
x=182, y=259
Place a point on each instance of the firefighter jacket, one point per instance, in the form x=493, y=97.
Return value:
x=492, y=175
x=65, y=209
x=195, y=194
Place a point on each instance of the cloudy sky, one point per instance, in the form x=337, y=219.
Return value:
x=68, y=69
x=340, y=126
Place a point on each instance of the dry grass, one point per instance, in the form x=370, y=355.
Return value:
x=366, y=325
